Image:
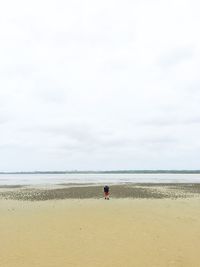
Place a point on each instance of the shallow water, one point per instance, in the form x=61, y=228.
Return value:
x=52, y=179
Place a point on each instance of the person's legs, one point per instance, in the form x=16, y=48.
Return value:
x=106, y=195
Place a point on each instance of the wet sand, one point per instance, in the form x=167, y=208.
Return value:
x=78, y=191
x=141, y=225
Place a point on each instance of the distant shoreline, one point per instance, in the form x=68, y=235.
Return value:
x=109, y=172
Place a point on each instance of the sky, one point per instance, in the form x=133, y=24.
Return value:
x=99, y=85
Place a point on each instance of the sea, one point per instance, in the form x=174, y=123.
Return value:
x=96, y=178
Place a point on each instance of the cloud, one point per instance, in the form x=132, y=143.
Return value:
x=176, y=56
x=159, y=122
x=160, y=141
x=99, y=85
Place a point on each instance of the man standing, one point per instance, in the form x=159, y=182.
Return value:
x=106, y=192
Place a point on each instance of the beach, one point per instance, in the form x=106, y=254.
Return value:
x=152, y=228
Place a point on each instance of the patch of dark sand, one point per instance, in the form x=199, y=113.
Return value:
x=148, y=191
x=11, y=186
x=76, y=184
x=187, y=188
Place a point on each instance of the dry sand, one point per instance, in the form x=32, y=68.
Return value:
x=96, y=232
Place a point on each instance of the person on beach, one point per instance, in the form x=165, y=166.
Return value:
x=106, y=192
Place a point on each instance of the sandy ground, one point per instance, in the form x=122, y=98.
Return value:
x=96, y=232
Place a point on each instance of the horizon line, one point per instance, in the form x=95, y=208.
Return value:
x=105, y=171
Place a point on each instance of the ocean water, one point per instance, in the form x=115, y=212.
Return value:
x=55, y=179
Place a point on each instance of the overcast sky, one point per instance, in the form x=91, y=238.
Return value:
x=99, y=85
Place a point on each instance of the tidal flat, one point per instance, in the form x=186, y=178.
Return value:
x=87, y=191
